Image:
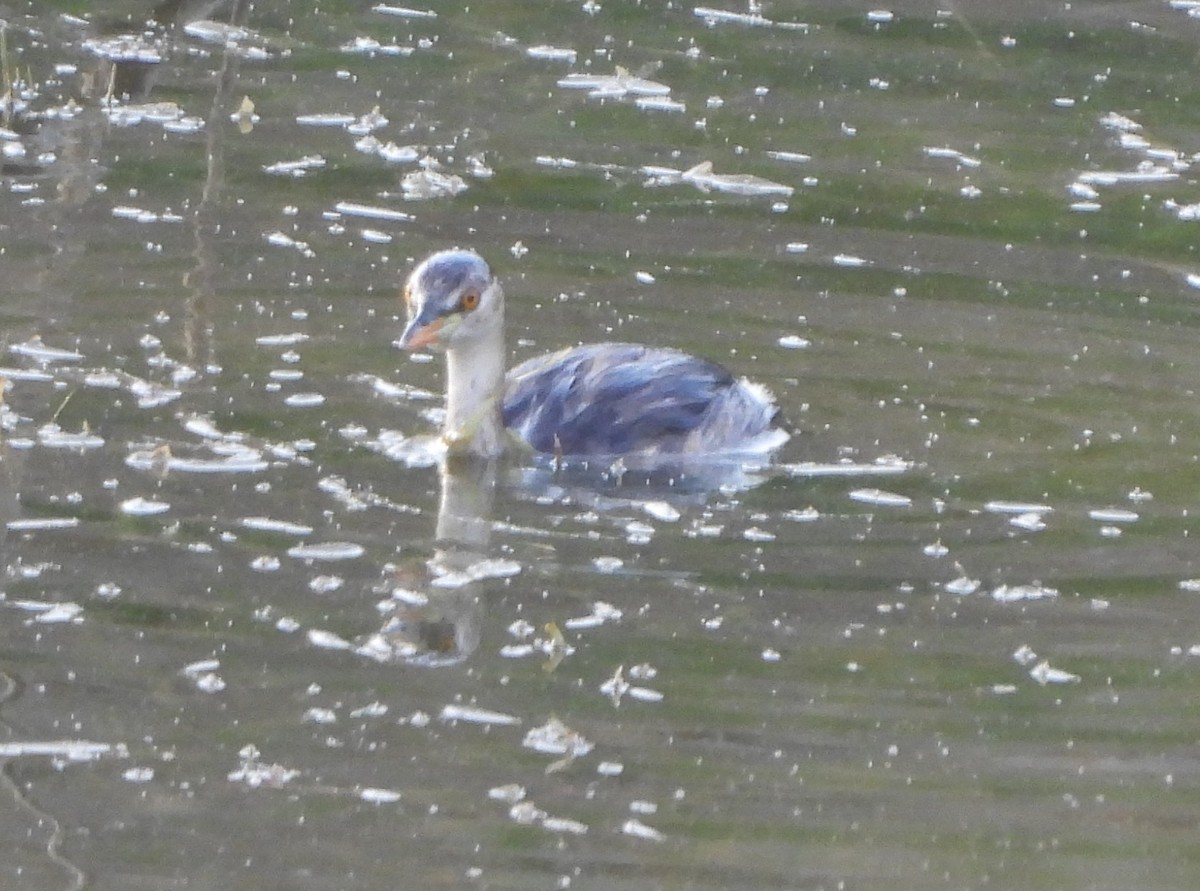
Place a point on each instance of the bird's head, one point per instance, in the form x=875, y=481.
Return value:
x=452, y=298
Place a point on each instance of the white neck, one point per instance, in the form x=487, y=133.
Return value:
x=474, y=385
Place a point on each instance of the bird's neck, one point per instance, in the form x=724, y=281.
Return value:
x=474, y=388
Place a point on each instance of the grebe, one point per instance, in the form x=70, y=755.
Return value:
x=599, y=400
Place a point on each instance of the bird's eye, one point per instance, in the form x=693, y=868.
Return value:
x=469, y=301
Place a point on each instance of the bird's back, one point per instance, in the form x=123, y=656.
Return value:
x=626, y=399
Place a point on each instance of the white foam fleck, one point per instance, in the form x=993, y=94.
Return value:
x=1031, y=521
x=1017, y=507
x=275, y=340
x=661, y=510
x=880, y=498
x=38, y=524
x=71, y=749
x=1014, y=593
x=326, y=550
x=60, y=614
x=563, y=824
x=556, y=738
x=47, y=355
x=332, y=119
x=297, y=168
x=551, y=53
x=243, y=460
x=962, y=585
x=355, y=209
x=754, y=533
x=144, y=507
x=490, y=568
x=327, y=640
x=267, y=524
x=1113, y=515
x=304, y=400
x=794, y=342
x=404, y=11
x=379, y=796
x=1044, y=674
x=638, y=829
x=473, y=715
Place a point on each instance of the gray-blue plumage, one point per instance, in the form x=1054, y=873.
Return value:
x=621, y=398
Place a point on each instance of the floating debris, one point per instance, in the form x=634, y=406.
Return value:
x=614, y=86
x=509, y=794
x=282, y=239
x=1030, y=522
x=661, y=510
x=354, y=209
x=369, y=46
x=1014, y=593
x=601, y=613
x=1113, y=515
x=327, y=640
x=526, y=813
x=379, y=796
x=277, y=340
x=702, y=177
x=327, y=551
x=244, y=117
x=429, y=182
x=132, y=115
x=556, y=738
x=41, y=524
x=551, y=53
x=161, y=460
x=125, y=48
x=473, y=715
x=144, y=507
x=266, y=524
x=662, y=103
x=955, y=155
x=638, y=829
x=963, y=585
x=1017, y=507
x=723, y=16
x=880, y=498
x=404, y=11
x=370, y=122
x=255, y=773
x=327, y=119
x=218, y=32
x=300, y=167
x=54, y=437
x=46, y=355
x=1044, y=674
x=70, y=749
x=883, y=467
x=304, y=400
x=204, y=675
x=491, y=568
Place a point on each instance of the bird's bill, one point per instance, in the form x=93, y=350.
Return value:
x=421, y=333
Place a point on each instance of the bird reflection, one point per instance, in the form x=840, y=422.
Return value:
x=446, y=628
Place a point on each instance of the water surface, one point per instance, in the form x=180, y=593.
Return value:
x=251, y=636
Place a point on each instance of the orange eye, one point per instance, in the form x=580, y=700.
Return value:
x=469, y=301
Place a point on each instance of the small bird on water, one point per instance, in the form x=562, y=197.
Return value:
x=612, y=400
